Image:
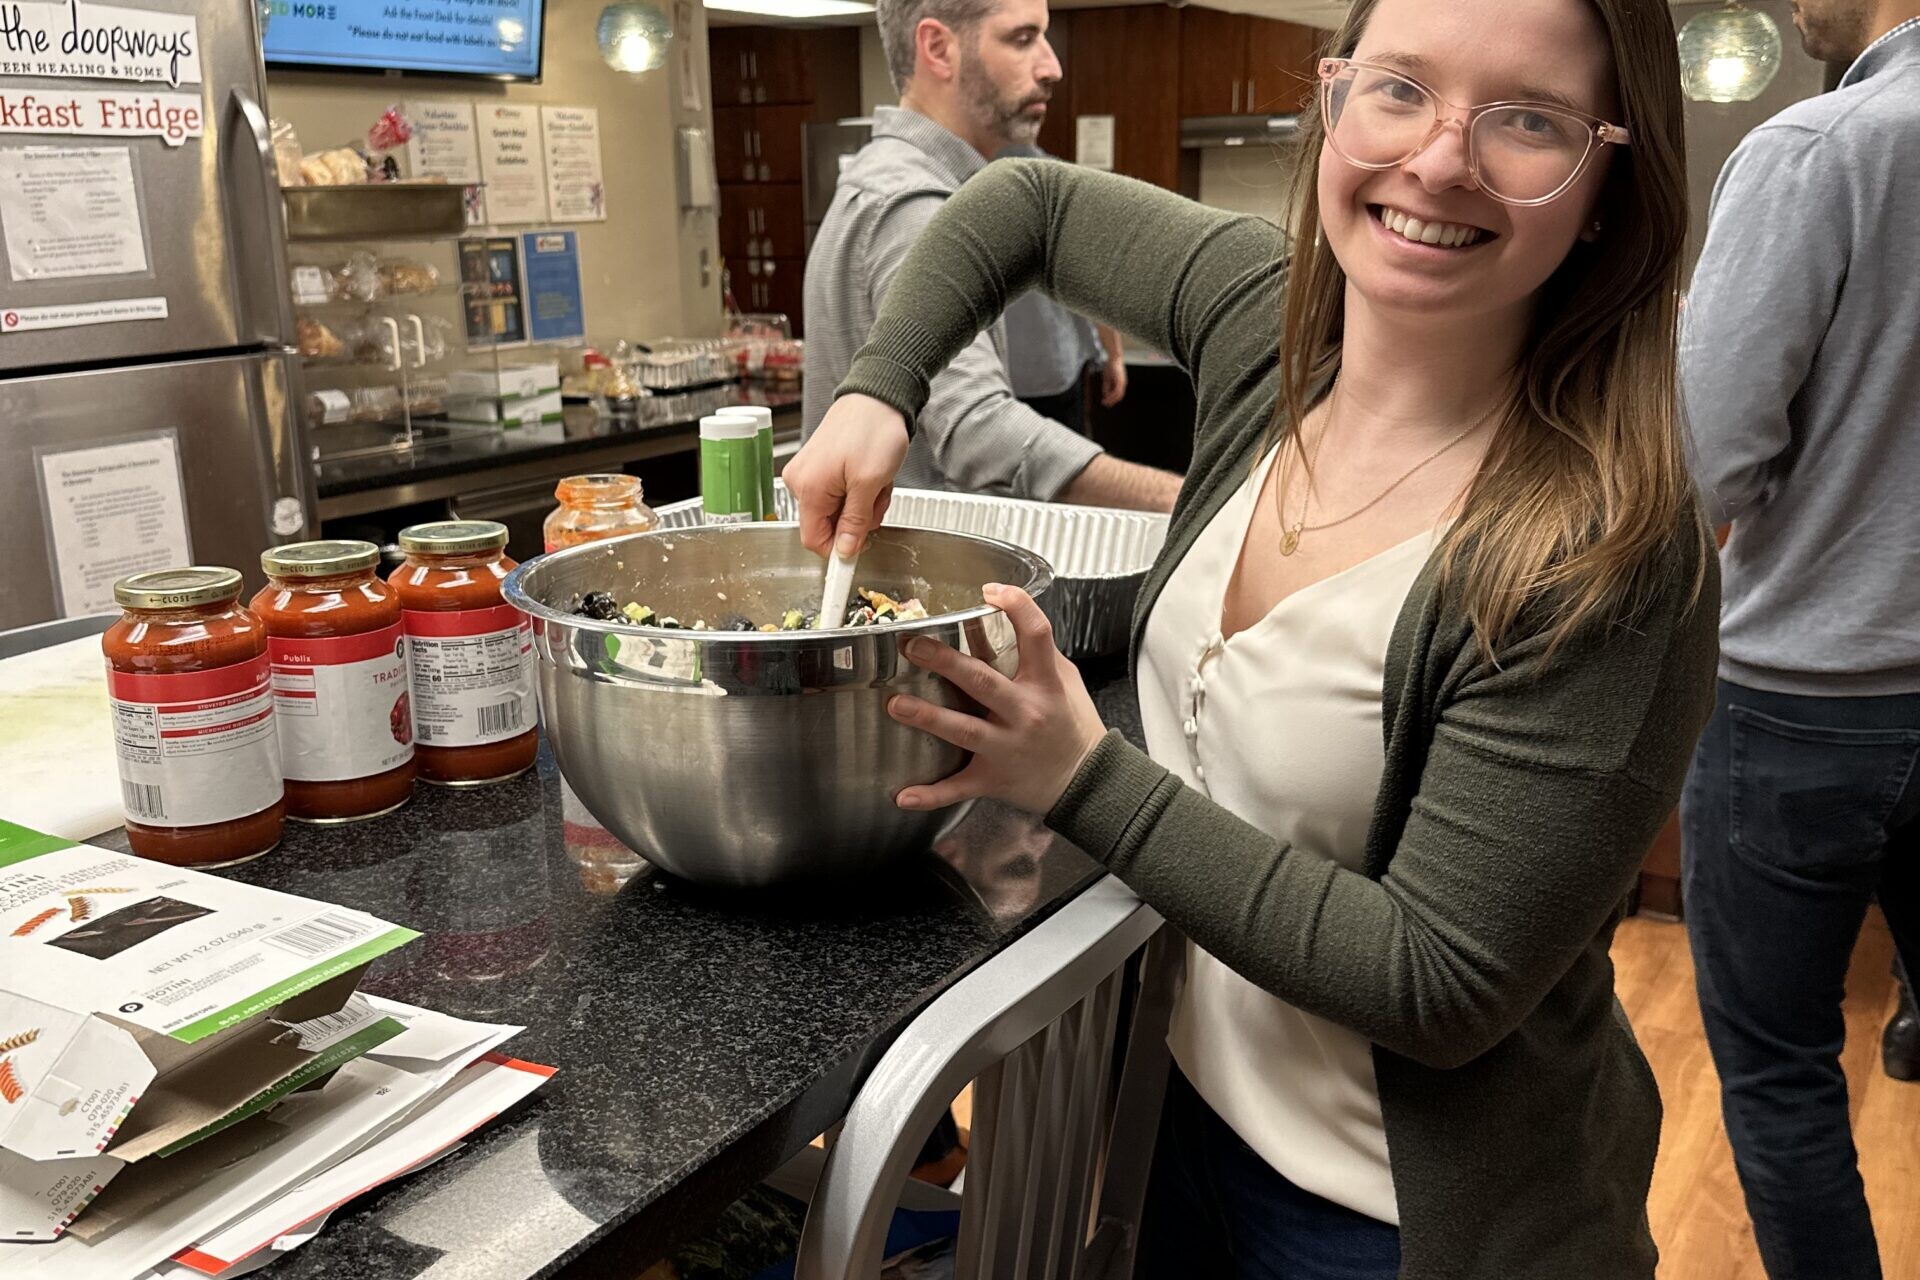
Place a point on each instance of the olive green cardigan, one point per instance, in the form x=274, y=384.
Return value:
x=1518, y=800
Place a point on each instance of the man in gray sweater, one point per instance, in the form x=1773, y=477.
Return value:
x=1801, y=373
x=974, y=77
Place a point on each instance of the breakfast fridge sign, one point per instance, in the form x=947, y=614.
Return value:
x=171, y=117
x=78, y=41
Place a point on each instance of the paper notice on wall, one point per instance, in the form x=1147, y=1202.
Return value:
x=576, y=188
x=70, y=212
x=689, y=70
x=80, y=41
x=1093, y=141
x=76, y=315
x=446, y=144
x=112, y=510
x=513, y=162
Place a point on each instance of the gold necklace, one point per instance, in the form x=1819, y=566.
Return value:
x=1290, y=538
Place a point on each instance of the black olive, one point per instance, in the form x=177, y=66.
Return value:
x=736, y=622
x=600, y=606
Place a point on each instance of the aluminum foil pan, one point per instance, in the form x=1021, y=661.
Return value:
x=1099, y=557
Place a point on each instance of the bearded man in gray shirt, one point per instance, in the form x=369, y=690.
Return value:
x=1800, y=362
x=974, y=77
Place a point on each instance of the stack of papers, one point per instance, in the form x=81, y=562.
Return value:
x=190, y=1079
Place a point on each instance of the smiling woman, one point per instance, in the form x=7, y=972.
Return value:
x=1425, y=655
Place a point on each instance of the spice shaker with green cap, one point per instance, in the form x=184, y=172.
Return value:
x=730, y=491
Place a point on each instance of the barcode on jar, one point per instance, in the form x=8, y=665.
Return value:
x=142, y=799
x=321, y=935
x=501, y=718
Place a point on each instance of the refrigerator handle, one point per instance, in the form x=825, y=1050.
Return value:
x=254, y=203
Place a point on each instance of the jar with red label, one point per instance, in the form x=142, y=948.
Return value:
x=339, y=680
x=469, y=654
x=192, y=704
x=596, y=507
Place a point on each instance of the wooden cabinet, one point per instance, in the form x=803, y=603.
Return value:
x=783, y=66
x=762, y=221
x=733, y=144
x=1281, y=62
x=1126, y=64
x=773, y=284
x=769, y=84
x=1236, y=64
x=1213, y=63
x=779, y=139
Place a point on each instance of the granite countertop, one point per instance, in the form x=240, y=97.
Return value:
x=446, y=451
x=702, y=1038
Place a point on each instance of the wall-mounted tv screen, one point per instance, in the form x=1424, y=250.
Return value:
x=498, y=39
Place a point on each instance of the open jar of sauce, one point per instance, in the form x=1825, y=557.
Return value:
x=595, y=507
x=339, y=680
x=469, y=654
x=192, y=702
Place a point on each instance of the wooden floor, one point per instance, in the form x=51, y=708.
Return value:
x=1699, y=1219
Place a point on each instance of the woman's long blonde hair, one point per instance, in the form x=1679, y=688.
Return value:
x=1586, y=477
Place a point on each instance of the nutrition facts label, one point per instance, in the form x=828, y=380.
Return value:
x=196, y=748
x=471, y=673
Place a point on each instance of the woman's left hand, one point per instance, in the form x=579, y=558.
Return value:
x=1038, y=728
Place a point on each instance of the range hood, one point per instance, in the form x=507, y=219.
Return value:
x=1198, y=132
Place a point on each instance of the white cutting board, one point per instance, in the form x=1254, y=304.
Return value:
x=57, y=769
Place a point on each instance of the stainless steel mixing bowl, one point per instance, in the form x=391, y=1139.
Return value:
x=746, y=758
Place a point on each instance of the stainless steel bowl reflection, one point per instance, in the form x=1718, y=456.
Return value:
x=745, y=758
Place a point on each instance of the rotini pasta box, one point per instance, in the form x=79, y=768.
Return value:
x=144, y=1007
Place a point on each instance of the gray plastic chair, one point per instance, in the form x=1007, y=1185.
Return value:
x=1057, y=1168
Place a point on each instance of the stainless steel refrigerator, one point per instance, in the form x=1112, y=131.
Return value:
x=826, y=147
x=103, y=221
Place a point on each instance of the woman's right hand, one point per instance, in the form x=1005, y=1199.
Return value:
x=842, y=478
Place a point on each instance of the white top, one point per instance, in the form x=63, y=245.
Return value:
x=1282, y=726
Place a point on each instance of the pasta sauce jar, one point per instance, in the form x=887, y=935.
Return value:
x=469, y=654
x=339, y=680
x=192, y=706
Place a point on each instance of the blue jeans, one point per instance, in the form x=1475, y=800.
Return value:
x=1216, y=1210
x=1798, y=812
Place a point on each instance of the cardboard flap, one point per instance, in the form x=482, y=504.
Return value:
x=201, y=1092
x=147, y=1186
x=69, y=1093
x=38, y=1198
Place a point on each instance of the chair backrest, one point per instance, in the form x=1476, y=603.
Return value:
x=1056, y=1171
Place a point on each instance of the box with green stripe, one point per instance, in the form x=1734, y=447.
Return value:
x=144, y=1006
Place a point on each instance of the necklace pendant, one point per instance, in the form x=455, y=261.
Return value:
x=1289, y=542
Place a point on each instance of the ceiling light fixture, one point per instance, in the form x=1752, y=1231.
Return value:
x=634, y=37
x=1730, y=54
x=795, y=8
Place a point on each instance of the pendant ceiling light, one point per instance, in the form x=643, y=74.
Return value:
x=1730, y=54
x=634, y=37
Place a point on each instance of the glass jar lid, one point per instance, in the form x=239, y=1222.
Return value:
x=612, y=490
x=453, y=537
x=325, y=559
x=178, y=588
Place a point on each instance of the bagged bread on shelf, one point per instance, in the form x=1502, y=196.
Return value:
x=340, y=167
x=316, y=341
x=286, y=153
x=358, y=278
x=405, y=276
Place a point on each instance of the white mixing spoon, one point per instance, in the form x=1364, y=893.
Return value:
x=834, y=596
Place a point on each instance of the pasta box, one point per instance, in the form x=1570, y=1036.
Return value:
x=145, y=1007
